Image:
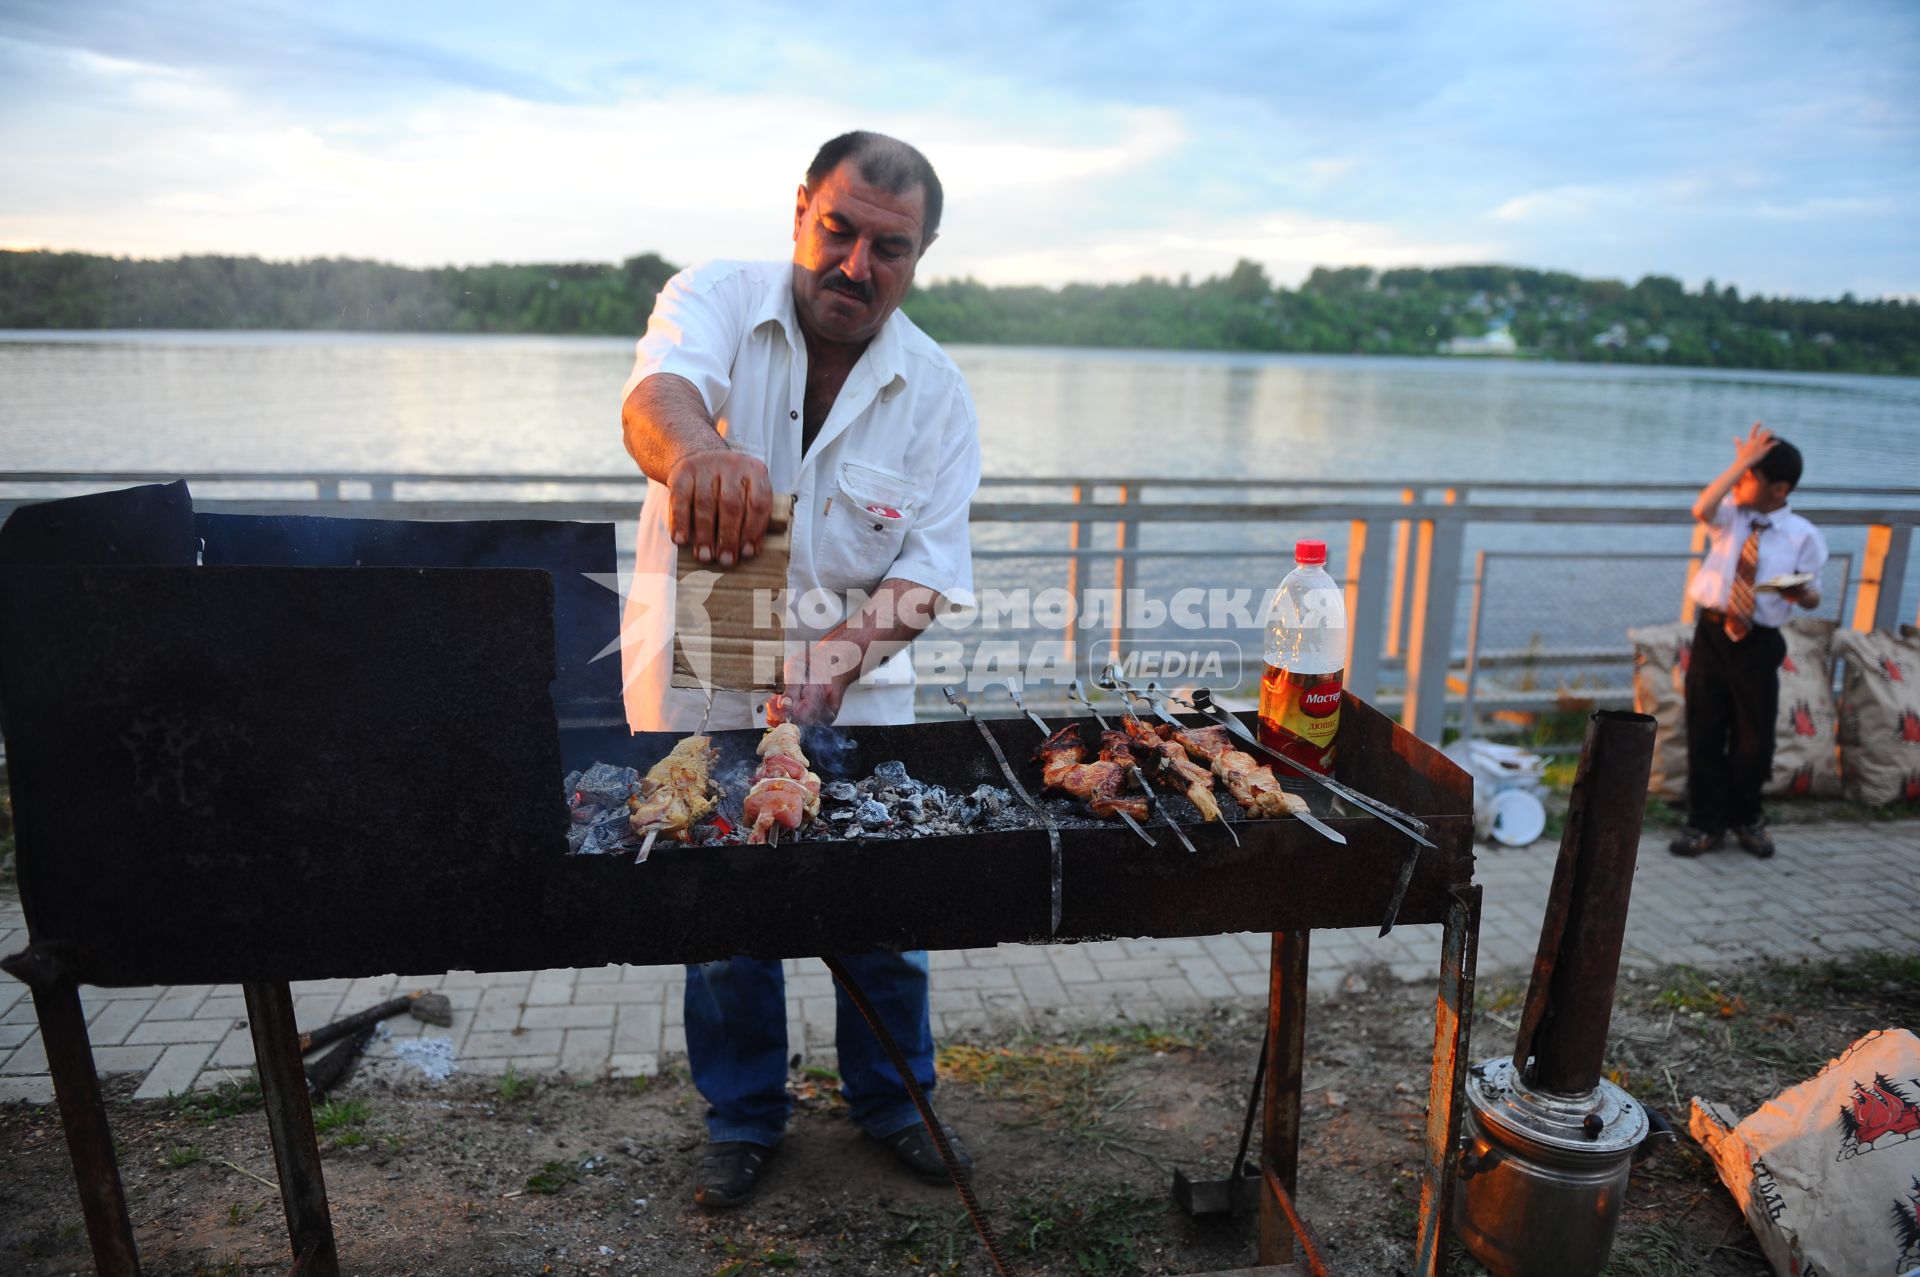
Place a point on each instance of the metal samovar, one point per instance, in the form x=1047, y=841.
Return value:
x=1547, y=1141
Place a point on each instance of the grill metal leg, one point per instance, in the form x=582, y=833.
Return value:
x=296, y=1150
x=1446, y=1085
x=76, y=1085
x=1280, y=1122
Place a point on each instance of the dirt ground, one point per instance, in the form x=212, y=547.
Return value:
x=1077, y=1136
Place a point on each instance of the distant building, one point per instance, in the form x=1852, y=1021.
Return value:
x=1615, y=337
x=1495, y=341
x=1658, y=343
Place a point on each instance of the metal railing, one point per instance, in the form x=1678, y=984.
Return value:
x=1406, y=553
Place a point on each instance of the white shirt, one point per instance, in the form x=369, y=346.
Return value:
x=1788, y=544
x=883, y=492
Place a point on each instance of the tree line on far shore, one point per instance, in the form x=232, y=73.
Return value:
x=1404, y=311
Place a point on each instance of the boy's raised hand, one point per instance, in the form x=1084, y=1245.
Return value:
x=1758, y=443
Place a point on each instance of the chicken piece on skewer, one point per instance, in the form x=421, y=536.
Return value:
x=677, y=792
x=1250, y=781
x=1168, y=763
x=1102, y=784
x=785, y=794
x=1059, y=754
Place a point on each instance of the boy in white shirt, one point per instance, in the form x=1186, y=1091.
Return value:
x=1733, y=677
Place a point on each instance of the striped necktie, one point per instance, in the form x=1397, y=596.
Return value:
x=1740, y=602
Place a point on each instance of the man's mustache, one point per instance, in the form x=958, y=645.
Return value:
x=854, y=288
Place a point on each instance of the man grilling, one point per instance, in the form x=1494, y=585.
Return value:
x=803, y=377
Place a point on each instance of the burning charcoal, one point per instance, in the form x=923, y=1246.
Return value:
x=914, y=808
x=967, y=810
x=992, y=801
x=842, y=791
x=602, y=785
x=893, y=772
x=874, y=815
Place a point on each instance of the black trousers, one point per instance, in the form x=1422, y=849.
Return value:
x=1733, y=696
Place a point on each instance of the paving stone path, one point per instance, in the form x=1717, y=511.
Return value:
x=1831, y=890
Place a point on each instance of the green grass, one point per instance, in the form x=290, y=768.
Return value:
x=218, y=1268
x=1098, y=1230
x=229, y=1099
x=516, y=1086
x=335, y=1115
x=1068, y=1086
x=181, y=1158
x=1658, y=1250
x=937, y=1242
x=553, y=1177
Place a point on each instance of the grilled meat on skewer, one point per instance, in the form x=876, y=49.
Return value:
x=1250, y=781
x=1101, y=784
x=1173, y=769
x=677, y=792
x=785, y=794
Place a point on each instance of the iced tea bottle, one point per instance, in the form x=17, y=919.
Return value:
x=1306, y=661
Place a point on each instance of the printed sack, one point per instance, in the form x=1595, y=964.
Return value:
x=1828, y=1172
x=1660, y=656
x=1880, y=715
x=1806, y=755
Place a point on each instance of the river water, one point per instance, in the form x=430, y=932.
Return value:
x=159, y=401
x=408, y=402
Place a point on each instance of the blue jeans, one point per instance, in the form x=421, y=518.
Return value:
x=737, y=1044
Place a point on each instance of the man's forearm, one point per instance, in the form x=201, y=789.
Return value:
x=893, y=617
x=664, y=419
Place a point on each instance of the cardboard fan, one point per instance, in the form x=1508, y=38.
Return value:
x=727, y=629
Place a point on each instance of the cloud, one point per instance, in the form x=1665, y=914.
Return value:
x=1708, y=138
x=1558, y=202
x=1287, y=243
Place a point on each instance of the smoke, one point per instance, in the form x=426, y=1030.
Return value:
x=829, y=750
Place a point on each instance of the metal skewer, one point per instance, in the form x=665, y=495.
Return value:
x=1013, y=690
x=1053, y=831
x=1079, y=693
x=1157, y=701
x=646, y=845
x=1412, y=827
x=1111, y=682
x=1202, y=703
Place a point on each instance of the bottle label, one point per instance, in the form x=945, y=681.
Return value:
x=1305, y=707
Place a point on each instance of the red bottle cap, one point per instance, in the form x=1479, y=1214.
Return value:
x=1309, y=553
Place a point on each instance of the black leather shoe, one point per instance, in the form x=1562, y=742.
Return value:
x=1695, y=842
x=1755, y=838
x=728, y=1173
x=918, y=1153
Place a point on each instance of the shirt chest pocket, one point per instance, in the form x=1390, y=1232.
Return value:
x=868, y=512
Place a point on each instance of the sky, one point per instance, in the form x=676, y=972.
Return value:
x=1774, y=146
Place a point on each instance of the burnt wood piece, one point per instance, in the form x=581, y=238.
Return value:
x=83, y=1112
x=296, y=1149
x=1569, y=1006
x=354, y=1023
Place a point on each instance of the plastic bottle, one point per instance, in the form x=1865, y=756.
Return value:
x=1306, y=661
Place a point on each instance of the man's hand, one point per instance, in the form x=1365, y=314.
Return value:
x=1752, y=450
x=816, y=680
x=719, y=504
x=806, y=704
